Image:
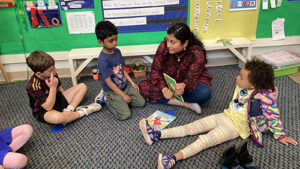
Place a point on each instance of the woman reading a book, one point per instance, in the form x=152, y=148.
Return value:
x=181, y=56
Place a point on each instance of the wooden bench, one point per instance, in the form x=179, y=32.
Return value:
x=4, y=72
x=88, y=54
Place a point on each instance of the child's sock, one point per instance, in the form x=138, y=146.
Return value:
x=166, y=161
x=196, y=107
x=156, y=135
x=172, y=156
x=70, y=107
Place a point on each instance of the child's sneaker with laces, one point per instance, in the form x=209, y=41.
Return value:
x=150, y=135
x=100, y=98
x=165, y=161
x=88, y=109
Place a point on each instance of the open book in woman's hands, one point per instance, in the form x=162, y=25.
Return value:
x=172, y=84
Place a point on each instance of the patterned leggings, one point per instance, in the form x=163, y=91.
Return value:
x=219, y=127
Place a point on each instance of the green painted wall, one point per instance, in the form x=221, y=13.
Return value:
x=289, y=10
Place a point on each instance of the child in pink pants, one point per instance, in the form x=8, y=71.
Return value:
x=11, y=140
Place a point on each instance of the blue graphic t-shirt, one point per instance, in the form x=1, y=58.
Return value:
x=112, y=65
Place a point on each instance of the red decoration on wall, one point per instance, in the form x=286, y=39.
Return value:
x=7, y=3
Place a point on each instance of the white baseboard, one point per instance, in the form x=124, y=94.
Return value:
x=265, y=42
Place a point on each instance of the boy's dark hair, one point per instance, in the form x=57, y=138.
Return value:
x=261, y=74
x=39, y=61
x=105, y=29
x=182, y=32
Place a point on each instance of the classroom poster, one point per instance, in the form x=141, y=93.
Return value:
x=242, y=5
x=212, y=19
x=7, y=3
x=144, y=15
x=41, y=15
x=81, y=22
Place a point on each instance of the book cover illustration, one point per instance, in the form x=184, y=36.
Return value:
x=171, y=82
x=159, y=120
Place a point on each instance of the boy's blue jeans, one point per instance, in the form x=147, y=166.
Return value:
x=200, y=95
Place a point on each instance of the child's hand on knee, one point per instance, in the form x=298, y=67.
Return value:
x=136, y=87
x=126, y=98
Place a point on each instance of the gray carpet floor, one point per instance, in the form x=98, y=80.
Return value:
x=101, y=141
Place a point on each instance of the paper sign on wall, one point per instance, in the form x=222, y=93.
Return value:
x=278, y=29
x=81, y=22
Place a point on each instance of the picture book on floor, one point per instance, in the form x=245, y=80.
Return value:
x=171, y=82
x=160, y=120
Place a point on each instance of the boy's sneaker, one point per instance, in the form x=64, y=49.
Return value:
x=165, y=161
x=100, y=98
x=88, y=109
x=148, y=132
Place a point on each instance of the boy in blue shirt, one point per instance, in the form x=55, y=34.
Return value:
x=118, y=92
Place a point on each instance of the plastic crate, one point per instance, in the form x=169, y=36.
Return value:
x=286, y=70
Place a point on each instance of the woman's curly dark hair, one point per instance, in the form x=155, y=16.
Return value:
x=261, y=74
